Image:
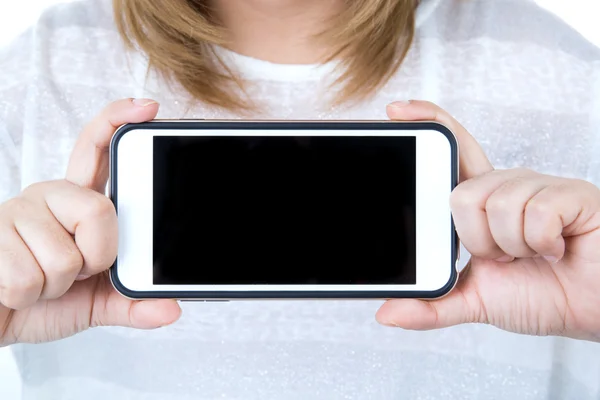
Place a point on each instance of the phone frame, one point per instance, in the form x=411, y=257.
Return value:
x=221, y=295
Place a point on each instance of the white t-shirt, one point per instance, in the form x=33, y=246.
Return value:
x=525, y=85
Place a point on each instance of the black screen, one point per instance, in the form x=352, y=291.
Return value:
x=284, y=210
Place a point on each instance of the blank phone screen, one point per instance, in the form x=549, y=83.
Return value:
x=284, y=210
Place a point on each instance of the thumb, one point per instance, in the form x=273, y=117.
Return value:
x=88, y=165
x=149, y=314
x=461, y=306
x=109, y=308
x=473, y=161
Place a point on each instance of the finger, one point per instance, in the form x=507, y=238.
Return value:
x=21, y=279
x=473, y=161
x=53, y=248
x=112, y=309
x=88, y=165
x=460, y=306
x=468, y=204
x=87, y=215
x=505, y=211
x=561, y=209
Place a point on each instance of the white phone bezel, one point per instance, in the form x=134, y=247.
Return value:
x=133, y=183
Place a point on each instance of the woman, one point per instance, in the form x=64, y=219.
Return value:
x=518, y=79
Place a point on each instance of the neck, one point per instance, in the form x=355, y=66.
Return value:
x=279, y=31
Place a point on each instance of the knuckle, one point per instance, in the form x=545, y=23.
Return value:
x=24, y=283
x=463, y=197
x=34, y=188
x=17, y=288
x=67, y=257
x=538, y=209
x=508, y=196
x=540, y=240
x=39, y=188
x=585, y=184
x=581, y=185
x=523, y=171
x=66, y=261
x=537, y=232
x=498, y=205
x=10, y=300
x=17, y=206
x=98, y=207
x=562, y=187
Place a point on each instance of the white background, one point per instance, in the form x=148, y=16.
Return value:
x=16, y=15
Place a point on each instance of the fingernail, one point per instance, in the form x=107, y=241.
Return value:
x=551, y=259
x=505, y=259
x=387, y=322
x=82, y=277
x=399, y=104
x=144, y=102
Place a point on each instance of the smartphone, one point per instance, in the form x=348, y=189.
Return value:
x=222, y=210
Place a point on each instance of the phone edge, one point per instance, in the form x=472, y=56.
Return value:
x=285, y=295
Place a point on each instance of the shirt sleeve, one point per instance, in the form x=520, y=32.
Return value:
x=15, y=77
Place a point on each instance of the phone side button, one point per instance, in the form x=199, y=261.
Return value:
x=204, y=301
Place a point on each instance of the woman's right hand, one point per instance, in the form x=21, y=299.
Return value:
x=57, y=241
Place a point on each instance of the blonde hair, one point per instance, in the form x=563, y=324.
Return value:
x=370, y=38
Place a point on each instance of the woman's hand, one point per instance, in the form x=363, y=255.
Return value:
x=57, y=240
x=535, y=245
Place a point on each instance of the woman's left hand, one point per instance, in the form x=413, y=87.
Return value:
x=535, y=246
